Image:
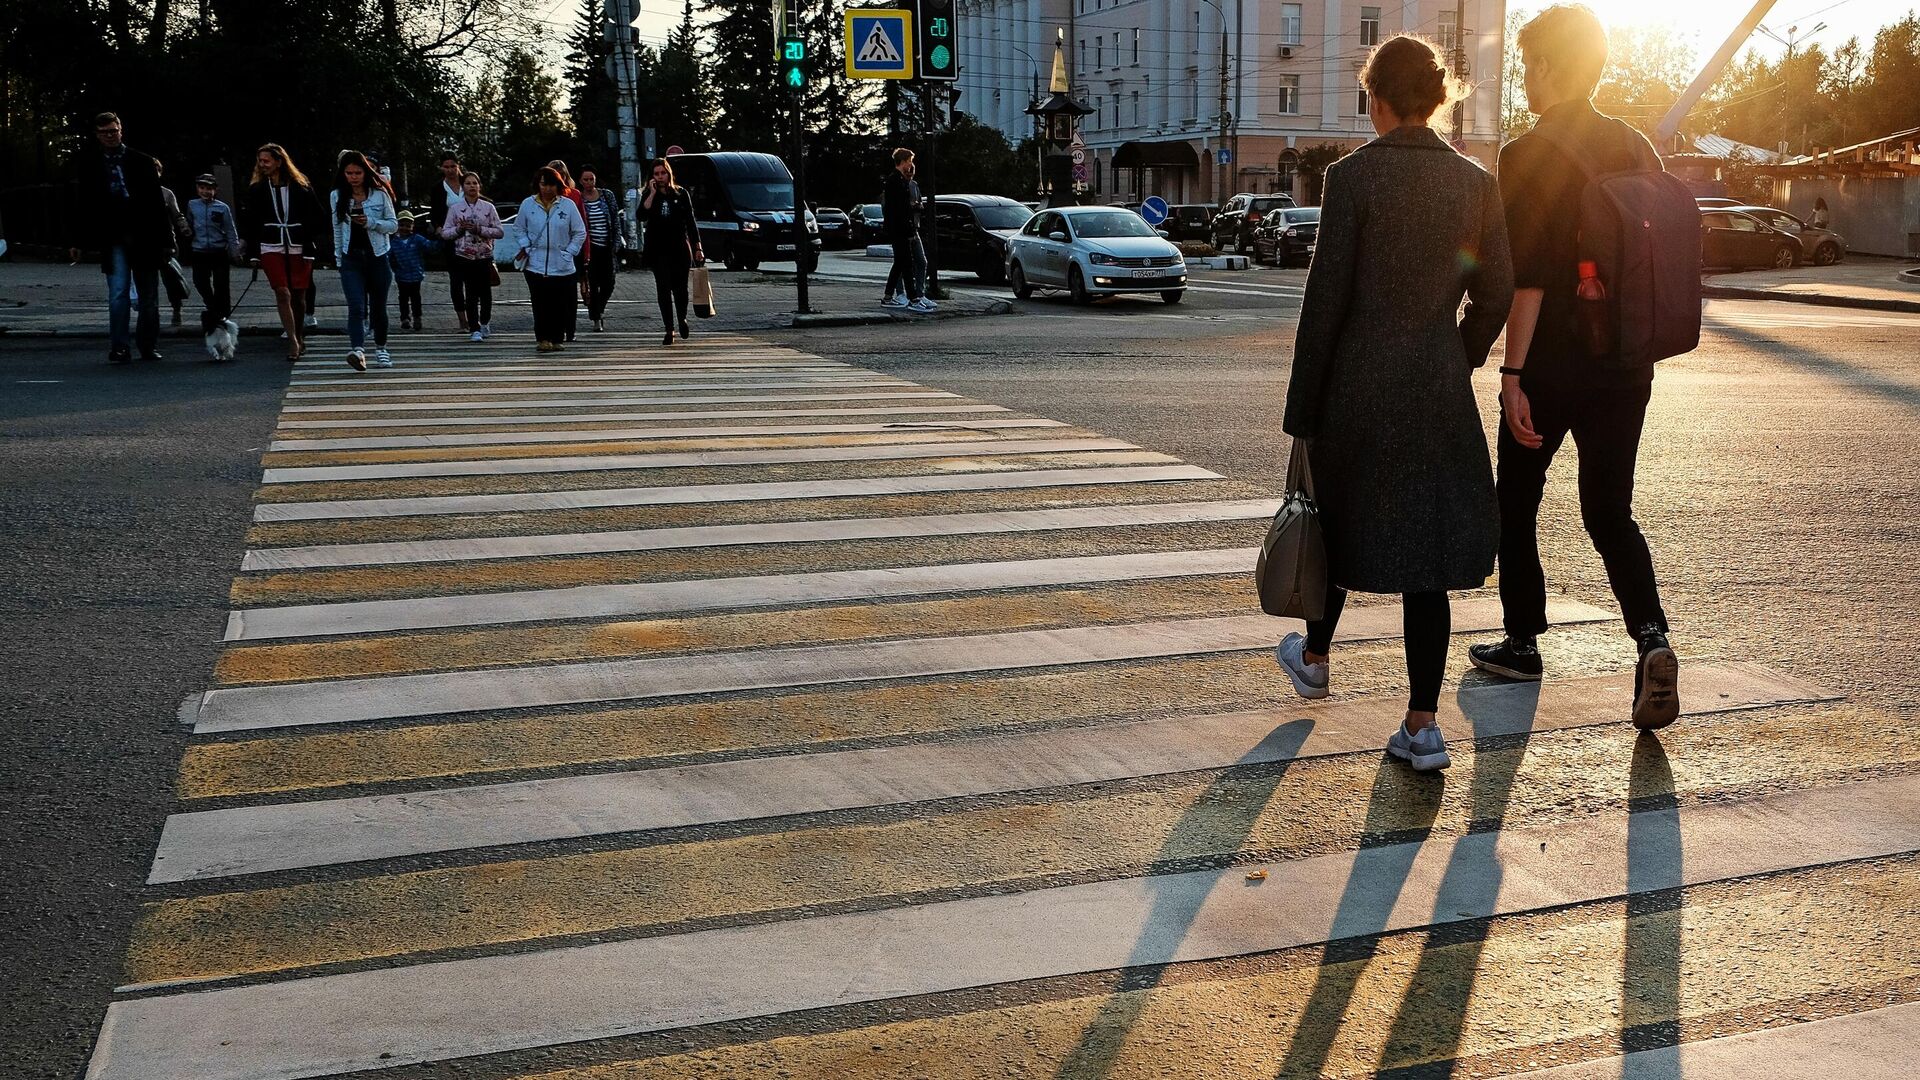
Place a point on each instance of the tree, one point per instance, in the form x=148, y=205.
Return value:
x=676, y=97
x=593, y=101
x=977, y=159
x=527, y=115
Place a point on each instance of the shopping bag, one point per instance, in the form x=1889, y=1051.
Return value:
x=700, y=292
x=1291, y=574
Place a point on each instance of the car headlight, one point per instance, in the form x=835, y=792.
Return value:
x=1293, y=232
x=749, y=226
x=1100, y=258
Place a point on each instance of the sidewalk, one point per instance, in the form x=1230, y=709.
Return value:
x=40, y=299
x=1860, y=282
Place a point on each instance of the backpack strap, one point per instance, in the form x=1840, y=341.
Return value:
x=1645, y=157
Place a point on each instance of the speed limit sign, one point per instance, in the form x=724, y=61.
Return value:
x=1079, y=156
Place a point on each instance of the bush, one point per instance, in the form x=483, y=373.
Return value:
x=1198, y=249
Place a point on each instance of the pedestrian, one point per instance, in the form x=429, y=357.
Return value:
x=1382, y=386
x=214, y=246
x=472, y=225
x=669, y=245
x=446, y=193
x=172, y=277
x=285, y=229
x=407, y=252
x=363, y=216
x=1549, y=386
x=124, y=218
x=603, y=245
x=1822, y=218
x=579, y=203
x=551, y=233
x=900, y=209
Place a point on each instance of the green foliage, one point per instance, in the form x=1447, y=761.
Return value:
x=977, y=160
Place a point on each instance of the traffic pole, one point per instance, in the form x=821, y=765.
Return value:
x=927, y=192
x=802, y=240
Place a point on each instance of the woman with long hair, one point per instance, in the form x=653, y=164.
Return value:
x=603, y=244
x=1382, y=388
x=671, y=244
x=472, y=223
x=550, y=232
x=364, y=217
x=285, y=231
x=586, y=253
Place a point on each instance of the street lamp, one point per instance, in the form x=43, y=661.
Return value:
x=1039, y=141
x=1226, y=119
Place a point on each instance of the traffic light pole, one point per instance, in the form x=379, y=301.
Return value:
x=927, y=192
x=802, y=240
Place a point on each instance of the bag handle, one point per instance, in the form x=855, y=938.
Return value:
x=1300, y=470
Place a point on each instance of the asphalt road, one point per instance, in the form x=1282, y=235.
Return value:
x=1778, y=490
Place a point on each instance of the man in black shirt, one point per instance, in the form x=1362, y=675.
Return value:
x=1548, y=387
x=124, y=217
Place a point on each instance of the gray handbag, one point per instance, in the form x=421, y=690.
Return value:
x=1292, y=572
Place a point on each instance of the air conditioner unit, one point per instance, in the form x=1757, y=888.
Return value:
x=1286, y=52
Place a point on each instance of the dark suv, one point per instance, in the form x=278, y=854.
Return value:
x=1233, y=226
x=972, y=232
x=1189, y=221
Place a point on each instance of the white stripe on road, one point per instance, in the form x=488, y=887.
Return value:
x=517, y=438
x=786, y=532
x=389, y=1017
x=1874, y=1045
x=361, y=383
x=602, y=402
x=700, y=493
x=712, y=594
x=624, y=417
x=251, y=708
x=371, y=390
x=285, y=836
x=692, y=459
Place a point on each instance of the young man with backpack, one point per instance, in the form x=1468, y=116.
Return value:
x=1606, y=269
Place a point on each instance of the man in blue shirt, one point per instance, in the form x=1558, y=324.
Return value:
x=216, y=247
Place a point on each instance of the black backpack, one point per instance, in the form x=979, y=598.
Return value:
x=1641, y=228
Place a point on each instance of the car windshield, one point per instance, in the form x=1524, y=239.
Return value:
x=825, y=210
x=1306, y=215
x=1002, y=217
x=1264, y=205
x=1190, y=213
x=1111, y=223
x=871, y=211
x=761, y=194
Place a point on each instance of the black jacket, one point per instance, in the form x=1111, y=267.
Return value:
x=139, y=220
x=307, y=223
x=900, y=205
x=669, y=230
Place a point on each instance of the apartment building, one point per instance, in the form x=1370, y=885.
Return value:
x=1152, y=72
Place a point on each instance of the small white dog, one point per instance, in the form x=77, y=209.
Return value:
x=223, y=339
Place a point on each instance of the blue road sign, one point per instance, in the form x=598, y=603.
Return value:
x=1154, y=209
x=879, y=43
x=1226, y=156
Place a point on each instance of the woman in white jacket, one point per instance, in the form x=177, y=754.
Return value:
x=363, y=217
x=550, y=232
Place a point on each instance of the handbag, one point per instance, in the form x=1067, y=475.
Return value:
x=493, y=273
x=1291, y=574
x=700, y=292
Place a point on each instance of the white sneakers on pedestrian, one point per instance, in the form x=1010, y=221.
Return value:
x=923, y=305
x=476, y=336
x=893, y=300
x=357, y=359
x=1309, y=680
x=1425, y=750
x=382, y=358
x=312, y=322
x=486, y=331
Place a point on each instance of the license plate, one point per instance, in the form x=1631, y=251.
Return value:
x=1149, y=273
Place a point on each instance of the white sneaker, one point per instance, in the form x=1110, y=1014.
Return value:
x=357, y=360
x=1425, y=750
x=923, y=304
x=382, y=358
x=893, y=300
x=486, y=331
x=1309, y=680
x=312, y=322
x=476, y=336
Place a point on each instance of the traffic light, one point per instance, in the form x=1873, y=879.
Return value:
x=936, y=31
x=793, y=63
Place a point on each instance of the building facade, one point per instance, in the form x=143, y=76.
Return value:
x=1152, y=70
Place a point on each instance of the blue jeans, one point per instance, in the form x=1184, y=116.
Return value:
x=122, y=280
x=909, y=267
x=366, y=278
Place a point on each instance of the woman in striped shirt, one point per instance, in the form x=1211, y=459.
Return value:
x=603, y=242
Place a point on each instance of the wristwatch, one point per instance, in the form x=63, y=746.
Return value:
x=1513, y=371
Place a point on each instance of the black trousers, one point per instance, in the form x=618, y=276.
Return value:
x=211, y=270
x=1605, y=425
x=553, y=299
x=409, y=301
x=1427, y=623
x=600, y=271
x=475, y=278
x=670, y=285
x=456, y=282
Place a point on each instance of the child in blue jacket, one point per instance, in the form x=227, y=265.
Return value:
x=408, y=252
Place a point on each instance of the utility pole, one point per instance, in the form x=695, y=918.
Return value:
x=1459, y=62
x=1670, y=124
x=621, y=33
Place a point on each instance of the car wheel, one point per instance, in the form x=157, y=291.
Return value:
x=1783, y=257
x=731, y=263
x=1077, y=286
x=750, y=264
x=1172, y=296
x=1826, y=254
x=1018, y=278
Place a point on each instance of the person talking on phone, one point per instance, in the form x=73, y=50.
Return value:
x=671, y=244
x=364, y=217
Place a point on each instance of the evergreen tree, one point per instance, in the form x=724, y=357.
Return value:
x=676, y=99
x=593, y=102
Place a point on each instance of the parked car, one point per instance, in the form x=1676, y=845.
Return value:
x=1189, y=221
x=1714, y=201
x=1821, y=247
x=744, y=203
x=1739, y=241
x=971, y=233
x=836, y=231
x=867, y=225
x=1285, y=237
x=1233, y=226
x=1094, y=251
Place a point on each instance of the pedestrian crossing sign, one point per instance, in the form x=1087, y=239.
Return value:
x=879, y=43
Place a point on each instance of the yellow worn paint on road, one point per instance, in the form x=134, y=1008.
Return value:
x=308, y=458
x=807, y=717
x=494, y=575
x=390, y=654
x=1313, y=807
x=1540, y=990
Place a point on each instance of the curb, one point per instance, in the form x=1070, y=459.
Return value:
x=1911, y=277
x=1727, y=292
x=884, y=318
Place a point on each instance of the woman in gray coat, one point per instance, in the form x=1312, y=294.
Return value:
x=1381, y=385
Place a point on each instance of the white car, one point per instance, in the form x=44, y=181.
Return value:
x=1094, y=251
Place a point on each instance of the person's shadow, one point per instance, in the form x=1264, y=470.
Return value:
x=1175, y=908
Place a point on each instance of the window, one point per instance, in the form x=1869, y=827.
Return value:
x=1099, y=48
x=1136, y=46
x=1136, y=108
x=1196, y=30
x=1080, y=57
x=1449, y=32
x=1288, y=170
x=1116, y=48
x=1193, y=99
x=1360, y=103
x=1289, y=24
x=1369, y=26
x=1289, y=95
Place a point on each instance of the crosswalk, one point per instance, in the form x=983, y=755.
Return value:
x=724, y=710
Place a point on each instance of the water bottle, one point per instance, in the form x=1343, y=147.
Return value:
x=1596, y=314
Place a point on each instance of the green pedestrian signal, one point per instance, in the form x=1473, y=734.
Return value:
x=937, y=34
x=793, y=63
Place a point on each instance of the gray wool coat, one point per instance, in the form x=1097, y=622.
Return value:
x=1382, y=365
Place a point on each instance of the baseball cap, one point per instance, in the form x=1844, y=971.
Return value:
x=205, y=178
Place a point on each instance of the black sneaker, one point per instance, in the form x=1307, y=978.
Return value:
x=1512, y=657
x=151, y=358
x=120, y=356
x=1656, y=681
